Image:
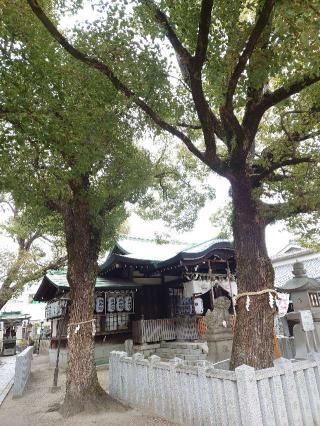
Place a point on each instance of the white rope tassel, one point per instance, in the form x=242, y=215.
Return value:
x=78, y=324
x=248, y=303
x=94, y=329
x=271, y=301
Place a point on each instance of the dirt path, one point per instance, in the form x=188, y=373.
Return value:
x=32, y=408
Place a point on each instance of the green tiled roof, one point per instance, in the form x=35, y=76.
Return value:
x=59, y=279
x=55, y=283
x=148, y=252
x=13, y=315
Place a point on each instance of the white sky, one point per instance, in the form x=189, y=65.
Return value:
x=276, y=236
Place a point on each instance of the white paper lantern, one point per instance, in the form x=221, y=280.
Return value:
x=120, y=304
x=99, y=304
x=128, y=303
x=111, y=304
x=198, y=305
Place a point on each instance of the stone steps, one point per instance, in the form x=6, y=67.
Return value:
x=182, y=345
x=181, y=351
x=188, y=351
x=189, y=358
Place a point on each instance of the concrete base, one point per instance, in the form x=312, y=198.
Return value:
x=187, y=351
x=220, y=350
x=101, y=353
x=147, y=349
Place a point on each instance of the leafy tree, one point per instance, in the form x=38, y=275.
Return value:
x=306, y=230
x=29, y=262
x=67, y=148
x=222, y=219
x=238, y=68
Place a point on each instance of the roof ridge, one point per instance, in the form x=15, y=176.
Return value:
x=203, y=242
x=152, y=240
x=302, y=252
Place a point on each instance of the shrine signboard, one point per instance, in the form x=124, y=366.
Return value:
x=307, y=320
x=55, y=309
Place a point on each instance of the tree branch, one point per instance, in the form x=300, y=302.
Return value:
x=183, y=55
x=162, y=19
x=283, y=93
x=266, y=171
x=282, y=211
x=117, y=83
x=31, y=239
x=203, y=33
x=13, y=282
x=191, y=70
x=252, y=41
x=313, y=110
x=3, y=200
x=189, y=126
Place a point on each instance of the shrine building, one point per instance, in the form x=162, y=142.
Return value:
x=148, y=294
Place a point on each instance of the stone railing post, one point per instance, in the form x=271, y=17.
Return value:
x=248, y=396
x=22, y=371
x=175, y=395
x=154, y=397
x=204, y=405
x=136, y=379
x=313, y=382
x=290, y=391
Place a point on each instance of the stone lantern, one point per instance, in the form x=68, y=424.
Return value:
x=305, y=296
x=304, y=291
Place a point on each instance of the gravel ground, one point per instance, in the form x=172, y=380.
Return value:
x=32, y=408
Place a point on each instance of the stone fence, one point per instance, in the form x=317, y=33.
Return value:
x=44, y=346
x=22, y=371
x=287, y=394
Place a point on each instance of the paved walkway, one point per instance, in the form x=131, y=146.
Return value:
x=7, y=365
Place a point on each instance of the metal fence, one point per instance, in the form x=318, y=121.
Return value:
x=155, y=330
x=287, y=394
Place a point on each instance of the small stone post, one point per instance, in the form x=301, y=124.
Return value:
x=248, y=396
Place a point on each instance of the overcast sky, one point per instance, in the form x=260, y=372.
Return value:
x=277, y=237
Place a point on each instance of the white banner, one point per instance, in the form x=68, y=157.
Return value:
x=282, y=303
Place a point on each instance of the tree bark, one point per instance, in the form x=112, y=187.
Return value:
x=252, y=344
x=83, y=391
x=5, y=295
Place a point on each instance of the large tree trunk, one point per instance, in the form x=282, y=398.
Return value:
x=252, y=344
x=83, y=243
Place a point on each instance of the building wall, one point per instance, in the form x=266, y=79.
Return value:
x=23, y=303
x=283, y=265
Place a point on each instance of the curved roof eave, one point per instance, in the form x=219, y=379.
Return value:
x=158, y=264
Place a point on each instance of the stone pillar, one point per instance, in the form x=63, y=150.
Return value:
x=290, y=391
x=248, y=396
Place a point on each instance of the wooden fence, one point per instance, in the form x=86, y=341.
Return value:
x=285, y=395
x=155, y=330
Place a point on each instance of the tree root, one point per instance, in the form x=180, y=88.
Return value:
x=95, y=401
